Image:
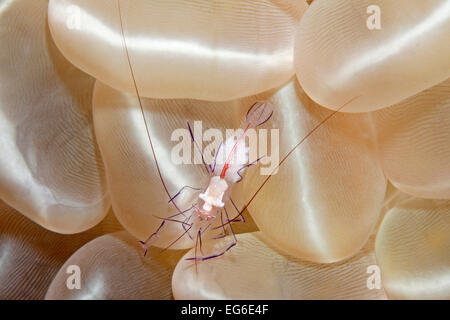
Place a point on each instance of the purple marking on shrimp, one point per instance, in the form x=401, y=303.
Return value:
x=214, y=255
x=231, y=228
x=181, y=190
x=245, y=167
x=200, y=239
x=229, y=222
x=218, y=254
x=172, y=220
x=203, y=231
x=184, y=223
x=197, y=147
x=142, y=243
x=154, y=234
x=224, y=231
x=187, y=220
x=195, y=251
x=170, y=245
x=221, y=221
x=182, y=212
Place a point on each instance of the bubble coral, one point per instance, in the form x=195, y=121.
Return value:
x=79, y=185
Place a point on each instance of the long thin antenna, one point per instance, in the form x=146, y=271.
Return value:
x=292, y=150
x=140, y=103
x=150, y=139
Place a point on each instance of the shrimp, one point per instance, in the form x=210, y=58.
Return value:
x=222, y=175
x=230, y=161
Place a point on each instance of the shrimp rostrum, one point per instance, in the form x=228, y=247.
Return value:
x=230, y=161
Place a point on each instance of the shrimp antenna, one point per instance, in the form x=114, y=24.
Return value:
x=286, y=156
x=295, y=147
x=124, y=42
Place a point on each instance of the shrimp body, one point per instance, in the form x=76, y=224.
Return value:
x=236, y=157
x=221, y=177
x=231, y=160
x=213, y=195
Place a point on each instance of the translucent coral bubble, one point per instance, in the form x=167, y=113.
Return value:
x=341, y=51
x=30, y=256
x=256, y=269
x=50, y=166
x=414, y=142
x=138, y=194
x=326, y=197
x=413, y=250
x=211, y=50
x=112, y=267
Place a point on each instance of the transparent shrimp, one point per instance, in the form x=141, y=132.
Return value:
x=231, y=160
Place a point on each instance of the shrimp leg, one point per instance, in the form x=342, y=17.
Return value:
x=247, y=166
x=154, y=236
x=214, y=255
x=223, y=226
x=198, y=148
x=237, y=210
x=148, y=243
x=234, y=242
x=195, y=251
x=173, y=220
x=170, y=245
x=180, y=191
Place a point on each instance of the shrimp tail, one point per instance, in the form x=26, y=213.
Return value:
x=258, y=114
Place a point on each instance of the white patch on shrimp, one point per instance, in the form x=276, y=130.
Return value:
x=238, y=159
